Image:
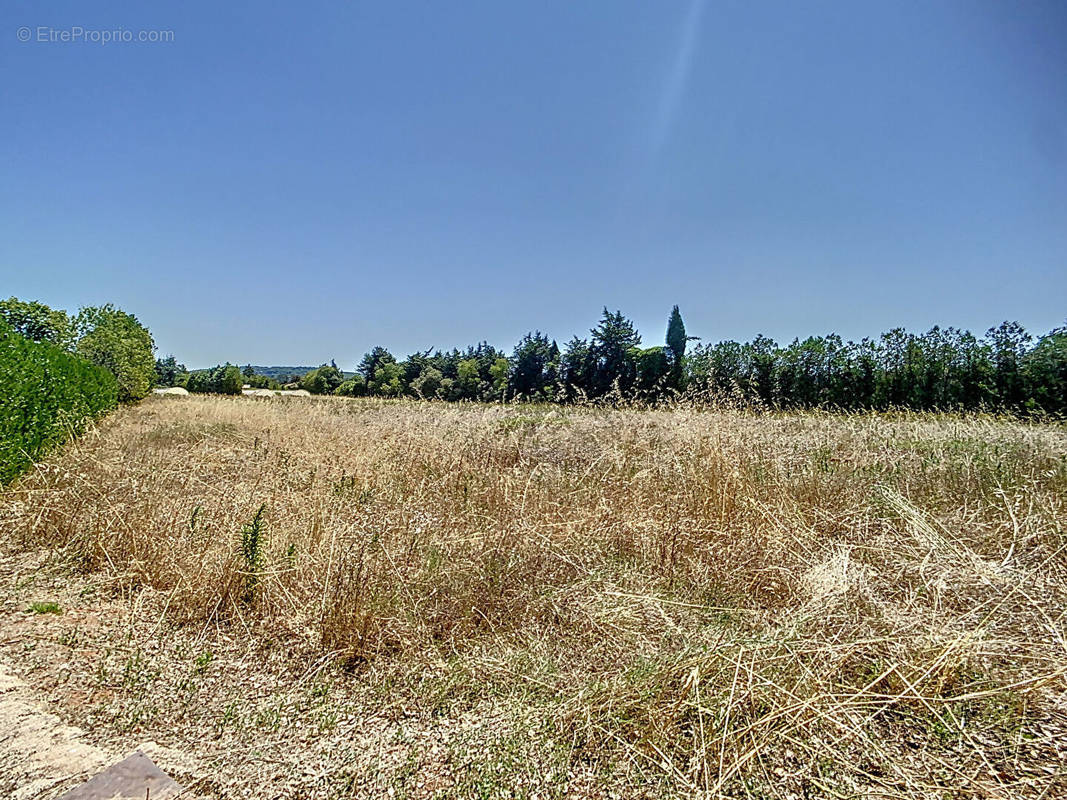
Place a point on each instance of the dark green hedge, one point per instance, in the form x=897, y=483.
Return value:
x=47, y=396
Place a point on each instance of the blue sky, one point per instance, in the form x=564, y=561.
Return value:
x=286, y=183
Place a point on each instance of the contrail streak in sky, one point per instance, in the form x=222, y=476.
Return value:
x=677, y=77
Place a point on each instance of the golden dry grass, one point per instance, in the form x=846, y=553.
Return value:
x=682, y=601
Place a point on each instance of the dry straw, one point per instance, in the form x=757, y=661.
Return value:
x=702, y=601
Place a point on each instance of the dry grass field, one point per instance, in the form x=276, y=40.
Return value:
x=342, y=598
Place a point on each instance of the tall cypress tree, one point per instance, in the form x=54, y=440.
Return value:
x=676, y=340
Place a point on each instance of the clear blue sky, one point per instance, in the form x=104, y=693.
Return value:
x=285, y=183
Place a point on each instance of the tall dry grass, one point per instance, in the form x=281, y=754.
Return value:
x=698, y=602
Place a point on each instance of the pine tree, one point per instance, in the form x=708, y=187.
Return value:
x=613, y=342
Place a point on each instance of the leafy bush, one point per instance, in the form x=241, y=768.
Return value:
x=114, y=339
x=428, y=384
x=37, y=322
x=252, y=541
x=221, y=379
x=324, y=380
x=47, y=396
x=170, y=373
x=257, y=381
x=353, y=387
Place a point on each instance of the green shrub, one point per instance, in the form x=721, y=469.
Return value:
x=47, y=396
x=37, y=322
x=252, y=541
x=327, y=379
x=220, y=379
x=113, y=339
x=45, y=608
x=353, y=387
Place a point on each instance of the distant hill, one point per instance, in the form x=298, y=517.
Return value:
x=280, y=372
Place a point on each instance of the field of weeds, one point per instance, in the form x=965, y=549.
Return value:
x=483, y=601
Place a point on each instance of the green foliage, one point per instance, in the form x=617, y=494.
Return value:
x=353, y=387
x=468, y=382
x=115, y=340
x=221, y=379
x=202, y=661
x=577, y=369
x=170, y=373
x=279, y=375
x=1045, y=371
x=676, y=342
x=253, y=539
x=614, y=342
x=46, y=607
x=48, y=396
x=324, y=380
x=1008, y=345
x=477, y=373
x=498, y=376
x=230, y=380
x=257, y=381
x=315, y=383
x=655, y=370
x=534, y=368
x=373, y=361
x=943, y=369
x=198, y=381
x=37, y=322
x=428, y=384
x=387, y=380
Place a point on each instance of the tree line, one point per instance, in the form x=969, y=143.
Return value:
x=943, y=369
x=59, y=370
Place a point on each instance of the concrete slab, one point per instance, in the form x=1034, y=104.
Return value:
x=133, y=778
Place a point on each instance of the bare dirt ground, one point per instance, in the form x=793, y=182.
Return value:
x=103, y=675
x=41, y=753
